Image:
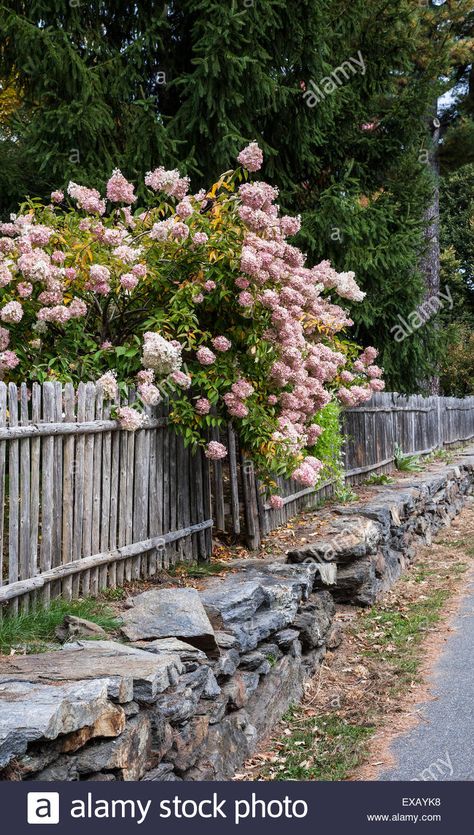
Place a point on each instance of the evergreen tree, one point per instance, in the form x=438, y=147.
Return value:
x=354, y=165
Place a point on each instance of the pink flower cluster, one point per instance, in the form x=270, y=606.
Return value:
x=119, y=190
x=203, y=407
x=205, y=356
x=169, y=182
x=129, y=418
x=88, y=199
x=251, y=157
x=235, y=399
x=221, y=343
x=215, y=451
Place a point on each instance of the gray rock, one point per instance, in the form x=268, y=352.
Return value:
x=314, y=619
x=187, y=741
x=225, y=640
x=285, y=638
x=227, y=663
x=129, y=753
x=162, y=772
x=239, y=689
x=187, y=652
x=149, y=674
x=343, y=539
x=32, y=711
x=73, y=627
x=272, y=652
x=258, y=602
x=252, y=660
x=170, y=613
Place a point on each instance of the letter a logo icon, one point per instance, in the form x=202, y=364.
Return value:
x=43, y=807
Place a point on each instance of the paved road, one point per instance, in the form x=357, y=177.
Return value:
x=441, y=747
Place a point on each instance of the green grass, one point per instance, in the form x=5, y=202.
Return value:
x=33, y=629
x=324, y=747
x=196, y=570
x=396, y=636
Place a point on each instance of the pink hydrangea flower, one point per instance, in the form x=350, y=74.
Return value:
x=200, y=238
x=4, y=338
x=11, y=312
x=290, y=225
x=57, y=196
x=221, y=343
x=198, y=298
x=251, y=157
x=184, y=210
x=272, y=400
x=108, y=384
x=276, y=502
x=179, y=231
x=215, y=451
x=128, y=281
x=139, y=270
x=306, y=474
x=77, y=308
x=205, y=356
x=368, y=355
x=129, y=419
x=88, y=199
x=149, y=393
x=8, y=361
x=181, y=379
x=146, y=376
x=209, y=286
x=5, y=275
x=24, y=289
x=377, y=385
x=245, y=299
x=203, y=407
x=170, y=182
x=119, y=190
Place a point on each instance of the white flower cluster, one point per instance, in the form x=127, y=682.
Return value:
x=162, y=356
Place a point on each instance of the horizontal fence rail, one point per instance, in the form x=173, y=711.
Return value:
x=85, y=505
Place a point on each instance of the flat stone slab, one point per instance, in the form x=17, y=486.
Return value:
x=185, y=651
x=170, y=613
x=349, y=538
x=128, y=673
x=32, y=711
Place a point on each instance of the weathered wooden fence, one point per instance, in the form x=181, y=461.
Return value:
x=86, y=506
x=418, y=425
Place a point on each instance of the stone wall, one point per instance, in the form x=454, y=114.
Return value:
x=203, y=676
x=373, y=542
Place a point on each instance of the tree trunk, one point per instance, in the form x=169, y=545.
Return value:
x=430, y=261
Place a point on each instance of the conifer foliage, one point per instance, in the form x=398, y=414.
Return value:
x=140, y=84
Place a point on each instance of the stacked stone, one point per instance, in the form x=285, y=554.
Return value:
x=372, y=543
x=202, y=678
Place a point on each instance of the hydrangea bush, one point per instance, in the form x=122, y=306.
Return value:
x=199, y=295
